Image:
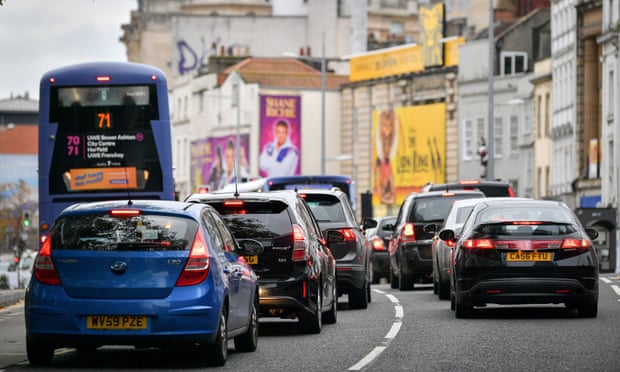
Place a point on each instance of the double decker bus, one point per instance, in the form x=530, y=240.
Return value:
x=104, y=133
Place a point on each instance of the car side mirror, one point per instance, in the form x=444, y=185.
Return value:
x=430, y=228
x=249, y=247
x=447, y=235
x=592, y=233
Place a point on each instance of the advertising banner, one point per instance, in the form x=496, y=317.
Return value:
x=213, y=161
x=280, y=135
x=408, y=149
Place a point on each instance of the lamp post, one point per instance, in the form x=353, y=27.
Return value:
x=323, y=89
x=323, y=103
x=490, y=118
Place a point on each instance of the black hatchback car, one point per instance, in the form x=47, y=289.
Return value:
x=523, y=252
x=347, y=242
x=296, y=271
x=379, y=238
x=410, y=247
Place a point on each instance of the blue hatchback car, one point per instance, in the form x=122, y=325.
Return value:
x=142, y=273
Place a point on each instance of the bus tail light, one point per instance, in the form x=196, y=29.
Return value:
x=197, y=267
x=44, y=269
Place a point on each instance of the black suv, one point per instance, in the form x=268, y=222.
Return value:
x=410, y=247
x=490, y=189
x=346, y=240
x=296, y=271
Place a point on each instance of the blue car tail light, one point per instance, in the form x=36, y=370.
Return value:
x=196, y=269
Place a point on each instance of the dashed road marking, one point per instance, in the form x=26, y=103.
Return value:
x=616, y=289
x=605, y=280
x=374, y=353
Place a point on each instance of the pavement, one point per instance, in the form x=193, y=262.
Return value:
x=10, y=297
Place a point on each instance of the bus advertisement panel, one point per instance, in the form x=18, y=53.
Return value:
x=408, y=150
x=280, y=136
x=213, y=161
x=104, y=133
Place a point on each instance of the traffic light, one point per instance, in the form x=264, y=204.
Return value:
x=484, y=155
x=26, y=220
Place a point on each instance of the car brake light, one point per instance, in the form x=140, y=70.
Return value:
x=450, y=243
x=348, y=234
x=448, y=193
x=233, y=203
x=407, y=233
x=300, y=251
x=103, y=78
x=478, y=244
x=469, y=182
x=511, y=192
x=124, y=212
x=197, y=267
x=582, y=244
x=44, y=269
x=377, y=244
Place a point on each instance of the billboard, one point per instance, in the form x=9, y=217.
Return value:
x=408, y=151
x=213, y=161
x=280, y=135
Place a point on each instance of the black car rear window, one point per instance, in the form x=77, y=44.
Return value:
x=102, y=232
x=256, y=220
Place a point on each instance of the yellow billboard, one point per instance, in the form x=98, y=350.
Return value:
x=408, y=150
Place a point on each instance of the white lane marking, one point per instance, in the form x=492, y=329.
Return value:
x=394, y=330
x=605, y=280
x=616, y=289
x=374, y=353
x=367, y=359
x=399, y=312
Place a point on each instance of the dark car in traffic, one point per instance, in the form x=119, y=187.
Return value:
x=410, y=247
x=491, y=189
x=346, y=240
x=523, y=252
x=142, y=273
x=379, y=238
x=296, y=270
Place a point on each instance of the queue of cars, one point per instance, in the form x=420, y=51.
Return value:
x=201, y=272
x=493, y=248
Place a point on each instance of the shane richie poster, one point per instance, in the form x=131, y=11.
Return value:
x=408, y=149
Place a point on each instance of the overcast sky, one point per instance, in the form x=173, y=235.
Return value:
x=40, y=35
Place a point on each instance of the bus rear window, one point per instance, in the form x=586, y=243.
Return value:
x=104, y=141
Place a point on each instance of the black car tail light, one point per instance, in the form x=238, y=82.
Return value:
x=407, y=234
x=478, y=244
x=377, y=244
x=44, y=269
x=300, y=247
x=197, y=267
x=579, y=244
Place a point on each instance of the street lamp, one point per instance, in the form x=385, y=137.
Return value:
x=490, y=116
x=323, y=88
x=236, y=86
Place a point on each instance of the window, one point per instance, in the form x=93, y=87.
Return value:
x=513, y=63
x=498, y=136
x=468, y=140
x=514, y=135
